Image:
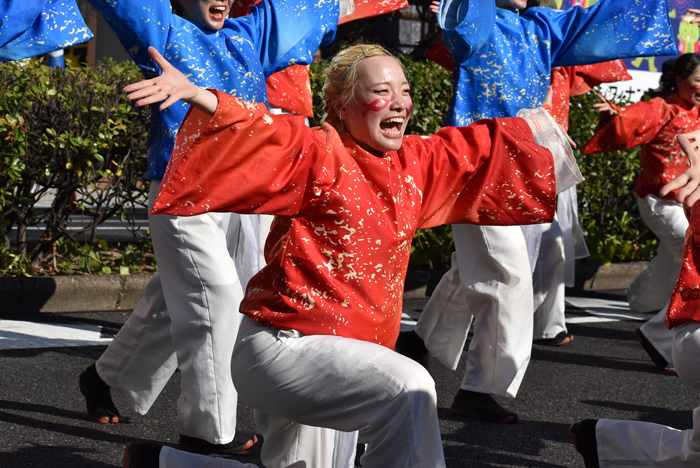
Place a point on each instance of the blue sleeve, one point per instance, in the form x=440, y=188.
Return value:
x=608, y=30
x=467, y=25
x=287, y=33
x=36, y=27
x=138, y=24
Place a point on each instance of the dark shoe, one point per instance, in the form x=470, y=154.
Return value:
x=98, y=398
x=481, y=406
x=583, y=436
x=141, y=455
x=241, y=442
x=561, y=339
x=411, y=345
x=655, y=356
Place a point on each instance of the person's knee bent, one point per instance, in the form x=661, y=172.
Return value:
x=417, y=381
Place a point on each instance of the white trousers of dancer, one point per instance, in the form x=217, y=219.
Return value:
x=548, y=284
x=635, y=443
x=490, y=283
x=652, y=289
x=342, y=384
x=187, y=318
x=308, y=447
x=659, y=335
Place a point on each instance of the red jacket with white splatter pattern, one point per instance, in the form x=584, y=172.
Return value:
x=685, y=300
x=655, y=125
x=339, y=247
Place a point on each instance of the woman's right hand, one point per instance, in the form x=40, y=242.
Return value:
x=605, y=106
x=689, y=181
x=170, y=86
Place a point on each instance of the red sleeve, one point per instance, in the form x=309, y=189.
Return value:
x=561, y=94
x=489, y=173
x=217, y=165
x=685, y=300
x=587, y=77
x=575, y=81
x=241, y=7
x=635, y=125
x=370, y=8
x=290, y=89
x=438, y=52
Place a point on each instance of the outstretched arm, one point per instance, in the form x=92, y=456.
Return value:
x=689, y=181
x=171, y=86
x=606, y=107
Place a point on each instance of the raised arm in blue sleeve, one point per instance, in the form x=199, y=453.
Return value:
x=608, y=30
x=288, y=33
x=467, y=25
x=36, y=27
x=513, y=67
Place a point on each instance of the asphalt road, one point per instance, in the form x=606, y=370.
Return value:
x=602, y=373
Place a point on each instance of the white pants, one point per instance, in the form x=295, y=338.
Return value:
x=188, y=318
x=342, y=384
x=490, y=283
x=548, y=284
x=659, y=335
x=635, y=443
x=652, y=289
x=306, y=447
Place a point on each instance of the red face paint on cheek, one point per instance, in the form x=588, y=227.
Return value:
x=376, y=106
x=409, y=108
x=694, y=87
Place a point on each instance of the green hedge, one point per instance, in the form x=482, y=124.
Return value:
x=73, y=133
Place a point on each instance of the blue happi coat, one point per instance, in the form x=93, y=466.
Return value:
x=503, y=61
x=35, y=27
x=235, y=59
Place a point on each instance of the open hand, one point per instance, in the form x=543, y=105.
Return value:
x=689, y=181
x=435, y=6
x=171, y=86
x=605, y=106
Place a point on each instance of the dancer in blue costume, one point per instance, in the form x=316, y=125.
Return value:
x=503, y=62
x=188, y=317
x=30, y=28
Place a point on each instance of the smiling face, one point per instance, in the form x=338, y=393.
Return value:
x=378, y=115
x=688, y=88
x=209, y=14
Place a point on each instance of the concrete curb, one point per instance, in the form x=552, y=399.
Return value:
x=113, y=292
x=71, y=293
x=610, y=277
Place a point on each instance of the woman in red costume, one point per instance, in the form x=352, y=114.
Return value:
x=609, y=443
x=322, y=317
x=655, y=124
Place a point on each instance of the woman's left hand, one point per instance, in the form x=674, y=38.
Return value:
x=689, y=181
